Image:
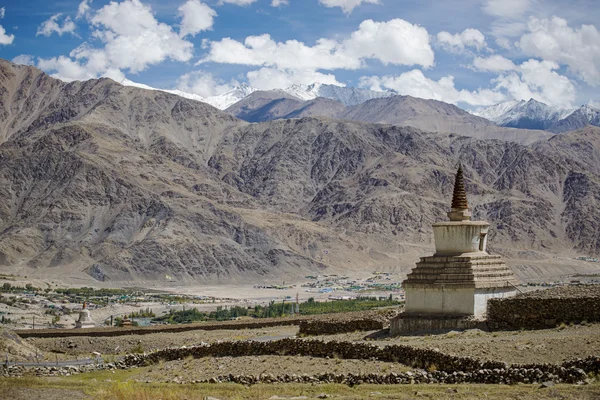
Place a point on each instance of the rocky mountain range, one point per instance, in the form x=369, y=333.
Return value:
x=530, y=115
x=429, y=115
x=100, y=181
x=533, y=114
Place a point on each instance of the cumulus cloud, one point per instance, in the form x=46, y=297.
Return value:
x=272, y=78
x=4, y=37
x=237, y=2
x=195, y=17
x=535, y=79
x=538, y=80
x=553, y=40
x=52, y=25
x=84, y=9
x=415, y=83
x=346, y=5
x=495, y=63
x=277, y=3
x=393, y=42
x=458, y=42
x=506, y=8
x=203, y=84
x=133, y=39
x=24, y=59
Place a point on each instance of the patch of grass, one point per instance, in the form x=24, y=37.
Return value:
x=99, y=389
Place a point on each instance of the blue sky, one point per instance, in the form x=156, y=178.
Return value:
x=471, y=53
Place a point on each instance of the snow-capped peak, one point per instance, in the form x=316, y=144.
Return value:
x=221, y=101
x=191, y=96
x=230, y=97
x=304, y=92
x=496, y=111
x=590, y=112
x=531, y=114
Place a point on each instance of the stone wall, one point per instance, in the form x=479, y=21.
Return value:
x=434, y=366
x=545, y=309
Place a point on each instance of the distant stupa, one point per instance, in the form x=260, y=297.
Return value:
x=461, y=276
x=85, y=318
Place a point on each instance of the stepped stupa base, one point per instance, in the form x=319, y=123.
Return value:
x=417, y=323
x=458, y=285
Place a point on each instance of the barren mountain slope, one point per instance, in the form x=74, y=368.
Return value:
x=126, y=184
x=435, y=116
x=319, y=107
x=111, y=181
x=428, y=115
x=265, y=106
x=380, y=179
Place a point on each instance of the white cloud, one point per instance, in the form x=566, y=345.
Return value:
x=237, y=2
x=459, y=41
x=66, y=69
x=52, y=25
x=346, y=5
x=4, y=38
x=578, y=48
x=133, y=39
x=506, y=8
x=538, y=80
x=495, y=63
x=195, y=17
x=203, y=83
x=414, y=83
x=84, y=9
x=277, y=3
x=24, y=59
x=272, y=78
x=2, y=12
x=393, y=42
x=292, y=54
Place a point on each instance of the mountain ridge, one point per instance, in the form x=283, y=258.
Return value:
x=533, y=114
x=105, y=183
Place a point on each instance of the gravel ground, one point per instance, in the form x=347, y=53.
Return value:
x=539, y=346
x=205, y=368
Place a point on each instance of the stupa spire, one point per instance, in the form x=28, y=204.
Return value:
x=459, y=197
x=460, y=206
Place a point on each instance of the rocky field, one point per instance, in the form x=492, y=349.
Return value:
x=539, y=346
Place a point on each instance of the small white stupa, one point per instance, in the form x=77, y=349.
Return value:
x=459, y=278
x=85, y=318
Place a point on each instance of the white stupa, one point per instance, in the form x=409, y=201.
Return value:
x=85, y=318
x=460, y=277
